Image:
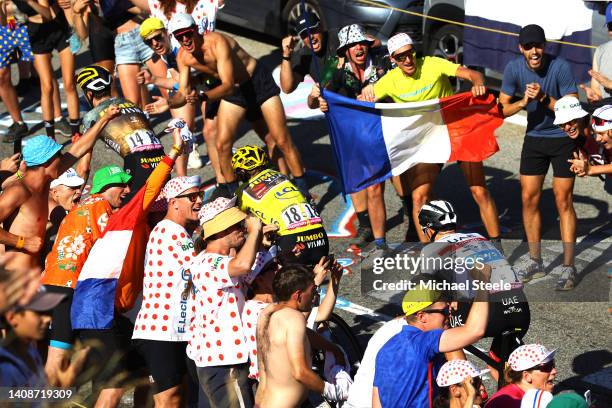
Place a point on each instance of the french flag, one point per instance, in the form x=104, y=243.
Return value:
x=565, y=20
x=374, y=141
x=93, y=303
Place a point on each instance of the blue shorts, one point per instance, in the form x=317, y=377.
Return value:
x=14, y=45
x=130, y=49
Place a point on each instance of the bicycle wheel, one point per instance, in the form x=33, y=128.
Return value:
x=342, y=334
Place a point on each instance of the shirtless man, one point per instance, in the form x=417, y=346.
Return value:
x=246, y=89
x=24, y=204
x=285, y=360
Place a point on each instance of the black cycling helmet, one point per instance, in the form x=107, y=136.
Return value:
x=438, y=215
x=96, y=79
x=249, y=158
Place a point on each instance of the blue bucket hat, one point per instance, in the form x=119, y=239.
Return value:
x=39, y=149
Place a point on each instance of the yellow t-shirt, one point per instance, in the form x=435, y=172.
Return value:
x=430, y=81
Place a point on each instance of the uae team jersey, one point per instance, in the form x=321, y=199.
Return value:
x=164, y=313
x=215, y=335
x=127, y=133
x=469, y=249
x=250, y=314
x=272, y=198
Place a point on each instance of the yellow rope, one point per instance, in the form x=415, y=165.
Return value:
x=444, y=20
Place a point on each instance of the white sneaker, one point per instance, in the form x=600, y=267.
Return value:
x=568, y=277
x=194, y=161
x=528, y=268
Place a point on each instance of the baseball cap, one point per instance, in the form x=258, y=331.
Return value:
x=568, y=400
x=108, y=175
x=306, y=21
x=149, y=26
x=532, y=33
x=398, y=41
x=39, y=150
x=609, y=13
x=178, y=185
x=219, y=215
x=568, y=108
x=181, y=21
x=602, y=118
x=418, y=299
x=68, y=178
x=455, y=371
x=43, y=300
x=536, y=398
x=530, y=355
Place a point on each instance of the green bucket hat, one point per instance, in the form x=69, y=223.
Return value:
x=109, y=175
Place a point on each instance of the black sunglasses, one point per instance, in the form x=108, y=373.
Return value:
x=193, y=197
x=404, y=55
x=545, y=367
x=444, y=312
x=158, y=38
x=185, y=33
x=529, y=46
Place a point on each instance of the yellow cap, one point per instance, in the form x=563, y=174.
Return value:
x=150, y=25
x=418, y=299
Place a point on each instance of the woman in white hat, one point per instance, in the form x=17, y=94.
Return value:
x=531, y=366
x=460, y=384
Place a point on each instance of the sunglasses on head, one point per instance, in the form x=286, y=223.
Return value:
x=529, y=46
x=404, y=55
x=185, y=33
x=545, y=367
x=193, y=197
x=444, y=312
x=158, y=38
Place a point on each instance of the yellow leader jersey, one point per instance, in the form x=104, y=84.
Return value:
x=274, y=199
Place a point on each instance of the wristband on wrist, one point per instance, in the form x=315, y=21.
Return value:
x=20, y=242
x=177, y=149
x=19, y=175
x=287, y=58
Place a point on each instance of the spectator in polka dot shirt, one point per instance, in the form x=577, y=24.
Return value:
x=164, y=313
x=216, y=340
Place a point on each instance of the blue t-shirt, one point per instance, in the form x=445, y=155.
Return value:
x=14, y=372
x=401, y=374
x=555, y=79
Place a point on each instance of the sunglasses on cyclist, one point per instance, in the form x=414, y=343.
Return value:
x=545, y=367
x=185, y=33
x=404, y=55
x=158, y=38
x=444, y=312
x=193, y=197
x=529, y=46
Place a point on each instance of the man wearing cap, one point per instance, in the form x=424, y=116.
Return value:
x=531, y=366
x=20, y=363
x=216, y=342
x=294, y=67
x=459, y=382
x=363, y=64
x=246, y=88
x=543, y=80
x=409, y=361
x=420, y=79
x=162, y=321
x=154, y=34
x=24, y=204
x=77, y=234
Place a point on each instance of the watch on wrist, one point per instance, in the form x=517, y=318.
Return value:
x=287, y=58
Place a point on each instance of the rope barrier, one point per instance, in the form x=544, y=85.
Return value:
x=444, y=20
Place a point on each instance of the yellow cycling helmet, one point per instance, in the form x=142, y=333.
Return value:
x=248, y=158
x=94, y=78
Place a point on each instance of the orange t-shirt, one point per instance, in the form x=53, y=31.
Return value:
x=76, y=236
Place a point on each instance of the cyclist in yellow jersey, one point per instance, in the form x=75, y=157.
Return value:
x=274, y=199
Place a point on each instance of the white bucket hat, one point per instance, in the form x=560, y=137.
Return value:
x=349, y=35
x=567, y=109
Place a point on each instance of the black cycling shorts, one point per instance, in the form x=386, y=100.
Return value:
x=101, y=40
x=140, y=165
x=114, y=359
x=60, y=331
x=507, y=310
x=308, y=246
x=49, y=36
x=253, y=93
x=539, y=152
x=168, y=363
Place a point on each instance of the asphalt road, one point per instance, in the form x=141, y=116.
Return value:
x=576, y=323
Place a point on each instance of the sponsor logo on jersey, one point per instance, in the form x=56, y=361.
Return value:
x=288, y=192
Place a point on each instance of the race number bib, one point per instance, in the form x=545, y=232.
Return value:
x=300, y=215
x=140, y=139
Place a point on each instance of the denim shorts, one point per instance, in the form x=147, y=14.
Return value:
x=130, y=49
